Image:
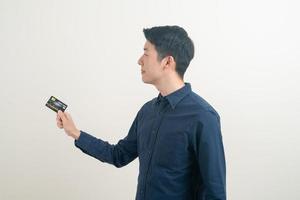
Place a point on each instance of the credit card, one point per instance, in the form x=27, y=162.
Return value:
x=54, y=104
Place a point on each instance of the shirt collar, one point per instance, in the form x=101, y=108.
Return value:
x=175, y=97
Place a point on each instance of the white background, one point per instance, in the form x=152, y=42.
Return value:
x=85, y=53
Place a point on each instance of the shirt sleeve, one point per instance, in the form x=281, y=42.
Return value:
x=208, y=146
x=118, y=155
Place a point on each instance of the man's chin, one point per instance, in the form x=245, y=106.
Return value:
x=146, y=81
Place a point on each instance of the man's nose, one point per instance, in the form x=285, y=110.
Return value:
x=140, y=61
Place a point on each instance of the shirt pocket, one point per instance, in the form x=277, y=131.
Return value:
x=172, y=150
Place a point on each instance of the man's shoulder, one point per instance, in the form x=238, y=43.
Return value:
x=147, y=105
x=201, y=105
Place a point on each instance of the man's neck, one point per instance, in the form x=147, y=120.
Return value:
x=169, y=86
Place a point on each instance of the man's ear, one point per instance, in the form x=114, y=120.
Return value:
x=169, y=62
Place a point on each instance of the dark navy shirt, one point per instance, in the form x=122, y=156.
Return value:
x=178, y=141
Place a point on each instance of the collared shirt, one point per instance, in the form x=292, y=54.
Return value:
x=178, y=141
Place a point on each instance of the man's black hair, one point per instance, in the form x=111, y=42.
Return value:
x=172, y=41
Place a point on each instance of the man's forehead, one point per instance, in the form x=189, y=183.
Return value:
x=148, y=46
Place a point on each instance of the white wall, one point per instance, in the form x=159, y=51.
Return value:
x=85, y=53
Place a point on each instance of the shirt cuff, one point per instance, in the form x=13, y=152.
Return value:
x=84, y=140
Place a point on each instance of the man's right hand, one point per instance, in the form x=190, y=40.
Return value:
x=65, y=121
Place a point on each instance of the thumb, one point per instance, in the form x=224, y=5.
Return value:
x=61, y=115
x=67, y=115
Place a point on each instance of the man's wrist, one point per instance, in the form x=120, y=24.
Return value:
x=76, y=134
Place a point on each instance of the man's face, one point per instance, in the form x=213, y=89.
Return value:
x=151, y=67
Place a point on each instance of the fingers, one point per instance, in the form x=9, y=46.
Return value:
x=59, y=122
x=58, y=118
x=60, y=125
x=61, y=115
x=64, y=120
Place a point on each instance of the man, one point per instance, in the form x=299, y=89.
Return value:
x=176, y=136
